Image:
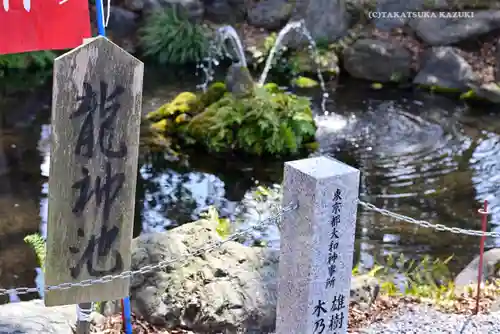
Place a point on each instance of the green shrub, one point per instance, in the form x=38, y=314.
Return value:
x=38, y=59
x=23, y=61
x=171, y=38
x=265, y=123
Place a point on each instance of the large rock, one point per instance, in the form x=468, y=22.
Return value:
x=270, y=14
x=122, y=22
x=444, y=68
x=193, y=8
x=489, y=92
x=34, y=318
x=398, y=6
x=325, y=27
x=497, y=62
x=376, y=60
x=226, y=11
x=491, y=267
x=446, y=31
x=239, y=81
x=123, y=27
x=229, y=288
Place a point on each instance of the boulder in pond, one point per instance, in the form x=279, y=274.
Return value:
x=491, y=269
x=239, y=81
x=270, y=14
x=193, y=8
x=229, y=288
x=440, y=31
x=443, y=68
x=377, y=60
x=488, y=92
x=327, y=28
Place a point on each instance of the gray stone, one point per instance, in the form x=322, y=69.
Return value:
x=140, y=5
x=327, y=61
x=193, y=8
x=497, y=62
x=317, y=242
x=491, y=266
x=219, y=11
x=443, y=67
x=239, y=81
x=34, y=318
x=376, y=60
x=230, y=288
x=240, y=8
x=122, y=22
x=270, y=14
x=327, y=28
x=446, y=31
x=489, y=92
x=226, y=11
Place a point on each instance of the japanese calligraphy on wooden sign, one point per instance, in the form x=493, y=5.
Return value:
x=31, y=25
x=96, y=112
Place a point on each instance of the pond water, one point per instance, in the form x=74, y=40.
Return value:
x=421, y=155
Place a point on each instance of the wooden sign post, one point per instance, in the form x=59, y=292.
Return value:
x=317, y=246
x=96, y=115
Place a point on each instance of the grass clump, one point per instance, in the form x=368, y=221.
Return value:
x=169, y=37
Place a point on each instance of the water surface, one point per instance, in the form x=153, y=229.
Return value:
x=421, y=155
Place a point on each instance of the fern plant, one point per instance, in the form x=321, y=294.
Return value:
x=38, y=244
x=269, y=122
x=39, y=59
x=171, y=38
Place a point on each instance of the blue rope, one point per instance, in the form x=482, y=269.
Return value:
x=99, y=6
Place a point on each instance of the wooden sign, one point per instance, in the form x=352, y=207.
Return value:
x=96, y=115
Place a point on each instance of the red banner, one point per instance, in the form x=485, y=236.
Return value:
x=32, y=25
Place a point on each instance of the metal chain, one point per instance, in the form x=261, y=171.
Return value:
x=146, y=269
x=216, y=244
x=423, y=223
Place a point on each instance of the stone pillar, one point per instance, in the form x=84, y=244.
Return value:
x=317, y=245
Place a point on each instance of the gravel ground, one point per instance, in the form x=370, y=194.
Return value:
x=420, y=319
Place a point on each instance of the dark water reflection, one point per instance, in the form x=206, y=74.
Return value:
x=420, y=155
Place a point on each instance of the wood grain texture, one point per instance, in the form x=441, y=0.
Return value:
x=69, y=233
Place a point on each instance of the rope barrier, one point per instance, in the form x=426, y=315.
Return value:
x=216, y=244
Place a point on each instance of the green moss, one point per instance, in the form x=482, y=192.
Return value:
x=271, y=87
x=469, y=95
x=213, y=94
x=183, y=103
x=266, y=123
x=305, y=82
x=438, y=89
x=302, y=62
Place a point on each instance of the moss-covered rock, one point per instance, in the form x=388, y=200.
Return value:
x=268, y=121
x=213, y=94
x=239, y=81
x=305, y=82
x=183, y=103
x=303, y=63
